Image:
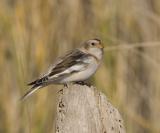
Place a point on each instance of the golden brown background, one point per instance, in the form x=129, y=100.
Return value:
x=34, y=32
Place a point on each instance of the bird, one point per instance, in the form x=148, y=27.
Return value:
x=75, y=66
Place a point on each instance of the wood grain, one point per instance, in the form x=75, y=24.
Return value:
x=83, y=109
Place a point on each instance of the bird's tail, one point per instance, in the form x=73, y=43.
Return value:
x=29, y=92
x=37, y=84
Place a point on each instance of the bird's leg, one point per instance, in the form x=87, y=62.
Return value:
x=65, y=85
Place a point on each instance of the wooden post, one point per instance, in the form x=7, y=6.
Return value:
x=83, y=109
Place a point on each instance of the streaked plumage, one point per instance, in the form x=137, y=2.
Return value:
x=77, y=65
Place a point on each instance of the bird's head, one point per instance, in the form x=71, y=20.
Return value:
x=93, y=46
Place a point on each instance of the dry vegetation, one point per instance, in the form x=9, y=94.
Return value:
x=34, y=32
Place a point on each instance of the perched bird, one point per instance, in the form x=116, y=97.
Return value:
x=76, y=66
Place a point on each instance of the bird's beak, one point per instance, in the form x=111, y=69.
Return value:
x=100, y=46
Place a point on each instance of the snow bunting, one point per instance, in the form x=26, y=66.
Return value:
x=76, y=66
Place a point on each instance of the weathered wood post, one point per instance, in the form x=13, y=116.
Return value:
x=83, y=109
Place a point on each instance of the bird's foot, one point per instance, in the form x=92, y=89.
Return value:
x=83, y=83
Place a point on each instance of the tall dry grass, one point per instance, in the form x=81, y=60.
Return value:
x=34, y=33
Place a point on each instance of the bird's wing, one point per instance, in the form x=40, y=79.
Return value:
x=72, y=62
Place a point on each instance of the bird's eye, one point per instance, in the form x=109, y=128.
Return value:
x=92, y=43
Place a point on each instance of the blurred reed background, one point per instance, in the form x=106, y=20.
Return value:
x=34, y=32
